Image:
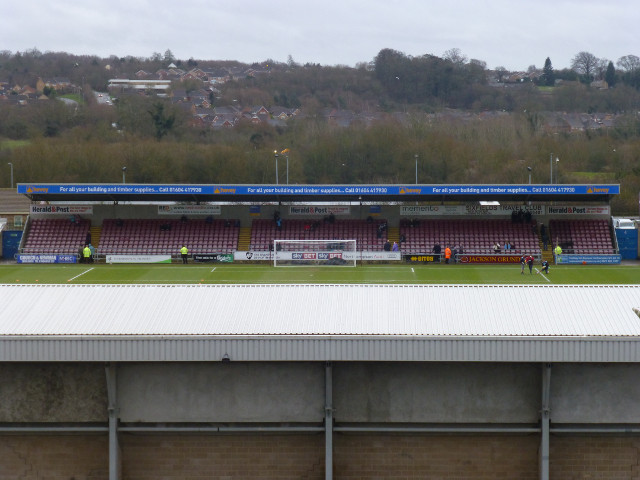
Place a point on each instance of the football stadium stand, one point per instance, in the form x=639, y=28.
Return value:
x=57, y=236
x=582, y=236
x=474, y=236
x=153, y=236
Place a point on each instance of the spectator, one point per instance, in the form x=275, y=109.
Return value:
x=496, y=248
x=447, y=254
x=402, y=238
x=437, y=249
x=395, y=247
x=387, y=246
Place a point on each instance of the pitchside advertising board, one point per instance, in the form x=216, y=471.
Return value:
x=213, y=257
x=46, y=258
x=577, y=259
x=138, y=259
x=251, y=256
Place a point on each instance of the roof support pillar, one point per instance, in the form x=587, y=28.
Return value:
x=545, y=422
x=328, y=421
x=113, y=410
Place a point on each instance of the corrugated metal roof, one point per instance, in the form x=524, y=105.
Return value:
x=320, y=310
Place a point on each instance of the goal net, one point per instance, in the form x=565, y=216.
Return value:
x=314, y=252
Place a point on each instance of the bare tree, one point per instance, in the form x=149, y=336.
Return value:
x=585, y=63
x=601, y=68
x=455, y=56
x=629, y=63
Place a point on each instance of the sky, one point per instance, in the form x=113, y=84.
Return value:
x=513, y=34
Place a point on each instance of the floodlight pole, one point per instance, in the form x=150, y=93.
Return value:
x=551, y=167
x=11, y=166
x=416, y=158
x=275, y=154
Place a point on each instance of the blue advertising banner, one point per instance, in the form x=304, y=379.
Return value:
x=46, y=258
x=576, y=259
x=329, y=190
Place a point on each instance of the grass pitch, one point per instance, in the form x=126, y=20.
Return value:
x=363, y=274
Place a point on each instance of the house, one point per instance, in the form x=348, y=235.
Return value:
x=599, y=84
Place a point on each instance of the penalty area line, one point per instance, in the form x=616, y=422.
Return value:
x=79, y=275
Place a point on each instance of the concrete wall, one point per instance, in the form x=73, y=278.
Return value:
x=217, y=392
x=294, y=392
x=52, y=392
x=585, y=393
x=437, y=392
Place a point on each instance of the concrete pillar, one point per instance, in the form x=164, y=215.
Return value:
x=545, y=422
x=112, y=408
x=328, y=421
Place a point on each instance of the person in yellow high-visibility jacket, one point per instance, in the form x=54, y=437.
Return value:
x=557, y=252
x=86, y=254
x=184, y=251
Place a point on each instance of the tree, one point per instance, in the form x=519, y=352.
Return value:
x=455, y=56
x=168, y=57
x=629, y=63
x=548, y=75
x=610, y=75
x=162, y=120
x=585, y=64
x=501, y=72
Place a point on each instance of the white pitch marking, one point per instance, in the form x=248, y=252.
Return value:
x=543, y=275
x=86, y=271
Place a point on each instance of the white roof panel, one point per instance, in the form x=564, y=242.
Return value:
x=323, y=310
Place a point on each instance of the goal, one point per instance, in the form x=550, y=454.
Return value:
x=314, y=252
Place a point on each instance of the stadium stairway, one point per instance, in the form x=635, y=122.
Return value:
x=244, y=239
x=546, y=254
x=393, y=234
x=95, y=232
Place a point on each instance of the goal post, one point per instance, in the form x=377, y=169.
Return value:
x=337, y=252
